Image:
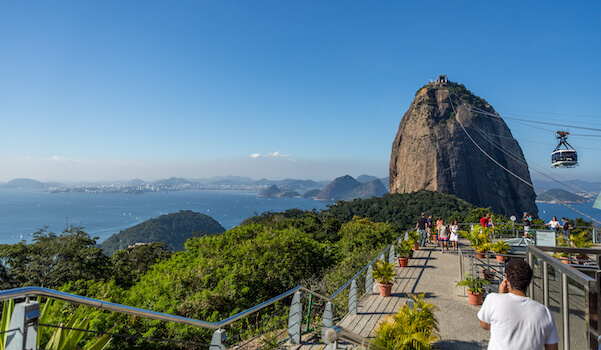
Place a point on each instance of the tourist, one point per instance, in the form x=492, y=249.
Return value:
x=486, y=221
x=438, y=223
x=514, y=320
x=567, y=227
x=429, y=229
x=527, y=224
x=421, y=228
x=454, y=237
x=443, y=235
x=489, y=224
x=554, y=224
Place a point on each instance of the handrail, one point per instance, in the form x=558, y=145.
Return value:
x=336, y=333
x=573, y=273
x=567, y=272
x=28, y=292
x=25, y=292
x=366, y=266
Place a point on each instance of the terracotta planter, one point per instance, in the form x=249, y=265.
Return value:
x=385, y=289
x=475, y=298
x=565, y=260
x=403, y=262
x=583, y=259
x=488, y=275
x=415, y=247
x=479, y=255
x=500, y=258
x=435, y=238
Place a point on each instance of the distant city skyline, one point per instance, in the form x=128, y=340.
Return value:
x=113, y=91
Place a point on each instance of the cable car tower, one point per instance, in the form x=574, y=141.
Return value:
x=564, y=155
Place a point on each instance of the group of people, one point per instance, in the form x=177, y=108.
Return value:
x=565, y=227
x=445, y=233
x=514, y=320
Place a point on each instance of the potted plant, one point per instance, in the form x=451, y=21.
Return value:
x=481, y=249
x=383, y=272
x=414, y=326
x=404, y=251
x=500, y=247
x=478, y=237
x=475, y=288
x=413, y=237
x=581, y=241
x=565, y=258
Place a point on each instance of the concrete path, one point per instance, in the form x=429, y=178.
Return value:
x=435, y=274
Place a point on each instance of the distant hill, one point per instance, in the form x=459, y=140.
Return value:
x=24, y=183
x=174, y=181
x=374, y=188
x=275, y=191
x=173, y=229
x=338, y=189
x=366, y=178
x=311, y=193
x=575, y=186
x=347, y=188
x=558, y=195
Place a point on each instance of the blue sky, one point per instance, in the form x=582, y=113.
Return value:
x=115, y=90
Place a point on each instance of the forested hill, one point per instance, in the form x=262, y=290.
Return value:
x=403, y=210
x=173, y=229
x=400, y=210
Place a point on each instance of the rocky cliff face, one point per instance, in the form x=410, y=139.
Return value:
x=432, y=151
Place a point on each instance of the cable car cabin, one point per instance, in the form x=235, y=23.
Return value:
x=563, y=157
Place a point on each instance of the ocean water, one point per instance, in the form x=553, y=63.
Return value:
x=546, y=211
x=23, y=212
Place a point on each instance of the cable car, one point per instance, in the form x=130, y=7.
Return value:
x=564, y=155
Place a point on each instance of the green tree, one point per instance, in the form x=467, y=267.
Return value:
x=130, y=264
x=52, y=260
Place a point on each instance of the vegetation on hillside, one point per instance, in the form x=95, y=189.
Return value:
x=403, y=210
x=172, y=229
x=217, y=276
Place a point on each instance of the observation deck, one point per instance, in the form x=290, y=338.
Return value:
x=435, y=274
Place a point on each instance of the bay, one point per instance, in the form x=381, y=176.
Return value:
x=547, y=210
x=23, y=212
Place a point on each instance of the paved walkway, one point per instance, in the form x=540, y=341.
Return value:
x=435, y=274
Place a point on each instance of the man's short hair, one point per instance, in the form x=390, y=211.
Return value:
x=519, y=274
x=423, y=214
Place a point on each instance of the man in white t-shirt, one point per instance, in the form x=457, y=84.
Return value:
x=514, y=320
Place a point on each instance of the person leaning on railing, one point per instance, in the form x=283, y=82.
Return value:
x=514, y=320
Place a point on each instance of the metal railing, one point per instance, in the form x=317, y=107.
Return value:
x=219, y=335
x=571, y=292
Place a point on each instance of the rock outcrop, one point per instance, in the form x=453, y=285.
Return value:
x=432, y=151
x=275, y=191
x=347, y=188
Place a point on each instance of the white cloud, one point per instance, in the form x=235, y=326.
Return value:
x=278, y=154
x=275, y=154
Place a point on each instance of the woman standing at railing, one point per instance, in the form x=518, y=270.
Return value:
x=443, y=235
x=454, y=238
